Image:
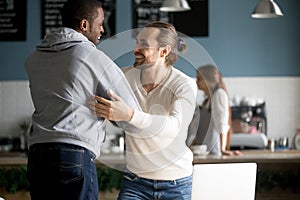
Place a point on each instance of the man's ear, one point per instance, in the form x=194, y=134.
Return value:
x=166, y=50
x=84, y=25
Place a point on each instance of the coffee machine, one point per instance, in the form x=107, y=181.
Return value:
x=249, y=126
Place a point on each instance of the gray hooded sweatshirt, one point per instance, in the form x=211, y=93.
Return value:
x=64, y=72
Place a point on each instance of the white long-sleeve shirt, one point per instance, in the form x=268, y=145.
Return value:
x=159, y=152
x=207, y=125
x=219, y=111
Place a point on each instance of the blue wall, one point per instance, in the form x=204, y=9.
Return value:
x=238, y=44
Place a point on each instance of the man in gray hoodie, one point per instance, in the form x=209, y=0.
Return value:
x=65, y=71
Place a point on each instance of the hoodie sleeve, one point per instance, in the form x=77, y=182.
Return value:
x=113, y=78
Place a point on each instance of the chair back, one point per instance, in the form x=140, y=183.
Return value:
x=224, y=181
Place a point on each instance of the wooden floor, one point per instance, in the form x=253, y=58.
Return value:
x=24, y=195
x=274, y=194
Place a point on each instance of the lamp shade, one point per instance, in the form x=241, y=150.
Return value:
x=267, y=9
x=174, y=6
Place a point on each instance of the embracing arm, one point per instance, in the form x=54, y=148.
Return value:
x=112, y=78
x=180, y=115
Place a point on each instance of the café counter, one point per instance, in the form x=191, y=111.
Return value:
x=257, y=156
x=278, y=172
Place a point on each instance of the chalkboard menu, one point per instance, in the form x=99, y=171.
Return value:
x=51, y=16
x=147, y=11
x=13, y=20
x=192, y=23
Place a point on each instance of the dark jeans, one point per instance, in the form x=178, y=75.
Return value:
x=61, y=171
x=137, y=188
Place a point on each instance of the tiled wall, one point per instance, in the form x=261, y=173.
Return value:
x=282, y=96
x=15, y=106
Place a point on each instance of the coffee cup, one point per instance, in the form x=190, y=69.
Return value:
x=199, y=149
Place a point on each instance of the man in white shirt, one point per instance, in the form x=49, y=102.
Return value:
x=159, y=164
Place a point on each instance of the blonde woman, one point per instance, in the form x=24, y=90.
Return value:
x=213, y=117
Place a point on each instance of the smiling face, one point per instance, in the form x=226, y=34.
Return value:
x=93, y=30
x=147, y=51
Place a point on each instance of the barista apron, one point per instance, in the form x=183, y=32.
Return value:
x=206, y=133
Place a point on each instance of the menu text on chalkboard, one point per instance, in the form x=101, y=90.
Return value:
x=51, y=15
x=13, y=20
x=193, y=22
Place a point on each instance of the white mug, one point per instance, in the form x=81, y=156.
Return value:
x=199, y=149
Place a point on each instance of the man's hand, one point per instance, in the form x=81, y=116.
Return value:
x=115, y=110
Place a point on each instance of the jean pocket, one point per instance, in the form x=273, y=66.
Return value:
x=70, y=166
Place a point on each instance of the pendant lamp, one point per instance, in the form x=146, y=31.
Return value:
x=174, y=6
x=267, y=9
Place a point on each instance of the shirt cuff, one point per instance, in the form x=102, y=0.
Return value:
x=138, y=119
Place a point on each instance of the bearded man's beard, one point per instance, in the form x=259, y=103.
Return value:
x=143, y=63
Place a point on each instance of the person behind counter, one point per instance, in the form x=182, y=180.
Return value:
x=65, y=71
x=211, y=124
x=159, y=164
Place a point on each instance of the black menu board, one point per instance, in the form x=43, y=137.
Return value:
x=147, y=11
x=51, y=16
x=193, y=22
x=13, y=20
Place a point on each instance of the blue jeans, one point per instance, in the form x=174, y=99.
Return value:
x=137, y=188
x=61, y=171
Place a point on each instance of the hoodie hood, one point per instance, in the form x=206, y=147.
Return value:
x=61, y=39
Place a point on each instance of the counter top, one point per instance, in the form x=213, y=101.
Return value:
x=13, y=158
x=258, y=156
